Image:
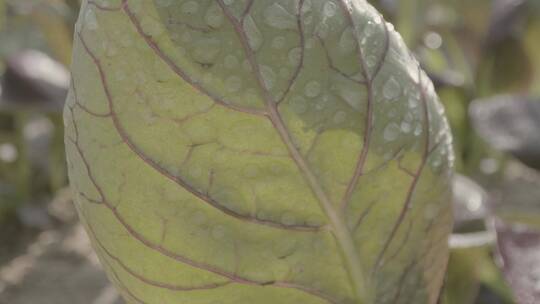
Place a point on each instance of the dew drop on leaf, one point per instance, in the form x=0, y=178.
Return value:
x=213, y=17
x=152, y=27
x=206, y=50
x=413, y=102
x=329, y=9
x=255, y=38
x=391, y=89
x=313, y=89
x=295, y=56
x=269, y=76
x=369, y=30
x=406, y=127
x=278, y=17
x=391, y=132
x=288, y=218
x=371, y=61
x=90, y=20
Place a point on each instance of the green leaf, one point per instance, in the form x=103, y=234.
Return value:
x=257, y=152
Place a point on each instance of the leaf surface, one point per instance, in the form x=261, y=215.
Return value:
x=258, y=152
x=518, y=253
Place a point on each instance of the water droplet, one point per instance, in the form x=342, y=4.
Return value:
x=391, y=132
x=371, y=61
x=255, y=38
x=369, y=30
x=351, y=95
x=295, y=56
x=437, y=161
x=313, y=89
x=233, y=84
x=413, y=102
x=320, y=103
x=213, y=17
x=408, y=117
x=152, y=27
x=269, y=76
x=392, y=89
x=389, y=25
x=228, y=2
x=306, y=7
x=288, y=219
x=277, y=16
x=90, y=20
x=329, y=9
x=406, y=127
x=206, y=50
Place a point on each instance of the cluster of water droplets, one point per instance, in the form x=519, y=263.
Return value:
x=405, y=110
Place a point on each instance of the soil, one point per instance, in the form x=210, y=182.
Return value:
x=51, y=266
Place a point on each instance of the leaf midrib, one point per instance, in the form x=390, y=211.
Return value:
x=338, y=226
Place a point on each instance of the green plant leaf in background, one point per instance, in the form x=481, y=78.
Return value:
x=257, y=152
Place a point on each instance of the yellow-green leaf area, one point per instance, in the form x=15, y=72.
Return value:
x=250, y=151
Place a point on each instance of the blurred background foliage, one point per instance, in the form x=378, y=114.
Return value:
x=477, y=52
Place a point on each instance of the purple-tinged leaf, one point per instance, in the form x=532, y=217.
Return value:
x=510, y=124
x=519, y=254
